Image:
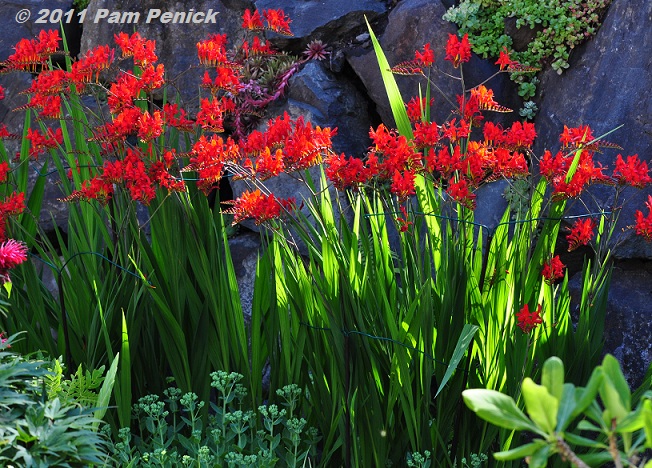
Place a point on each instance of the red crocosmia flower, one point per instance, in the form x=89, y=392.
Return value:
x=258, y=206
x=425, y=135
x=425, y=58
x=208, y=159
x=576, y=136
x=13, y=205
x=458, y=51
x=451, y=131
x=152, y=77
x=403, y=184
x=528, y=321
x=179, y=122
x=30, y=53
x=2, y=93
x=345, y=172
x=211, y=115
x=93, y=189
x=633, y=172
x=12, y=254
x=252, y=21
x=41, y=143
x=581, y=233
x=212, y=51
x=403, y=223
x=503, y=59
x=459, y=191
x=4, y=171
x=416, y=108
x=89, y=67
x=150, y=126
x=277, y=21
x=268, y=164
x=4, y=133
x=483, y=98
x=508, y=164
x=493, y=134
x=123, y=92
x=137, y=47
x=520, y=135
x=643, y=226
x=553, y=270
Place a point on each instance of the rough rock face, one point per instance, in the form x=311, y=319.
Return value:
x=329, y=20
x=245, y=249
x=608, y=84
x=410, y=25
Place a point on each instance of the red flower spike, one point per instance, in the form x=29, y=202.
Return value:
x=403, y=184
x=252, y=21
x=13, y=205
x=503, y=59
x=634, y=172
x=346, y=172
x=485, y=98
x=643, y=226
x=150, y=126
x=553, y=270
x=212, y=51
x=581, y=233
x=277, y=21
x=408, y=68
x=528, y=321
x=426, y=135
x=425, y=58
x=31, y=53
x=459, y=191
x=458, y=51
x=4, y=171
x=403, y=223
x=259, y=207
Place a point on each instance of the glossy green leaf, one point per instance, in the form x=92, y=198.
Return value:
x=498, y=409
x=539, y=459
x=611, y=368
x=647, y=427
x=541, y=406
x=552, y=376
x=519, y=452
x=567, y=405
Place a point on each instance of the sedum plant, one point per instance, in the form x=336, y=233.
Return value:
x=171, y=433
x=586, y=426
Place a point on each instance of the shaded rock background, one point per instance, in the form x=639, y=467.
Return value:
x=607, y=85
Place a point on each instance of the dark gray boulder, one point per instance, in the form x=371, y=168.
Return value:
x=331, y=20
